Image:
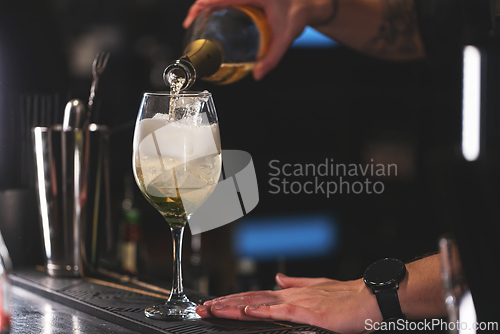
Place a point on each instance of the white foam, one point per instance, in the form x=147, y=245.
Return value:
x=178, y=139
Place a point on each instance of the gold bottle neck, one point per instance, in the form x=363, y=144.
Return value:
x=180, y=69
x=201, y=59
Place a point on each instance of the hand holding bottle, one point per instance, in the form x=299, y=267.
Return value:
x=383, y=29
x=287, y=19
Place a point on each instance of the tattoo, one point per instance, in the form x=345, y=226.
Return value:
x=335, y=10
x=332, y=16
x=397, y=31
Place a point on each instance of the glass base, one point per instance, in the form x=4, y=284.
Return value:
x=173, y=309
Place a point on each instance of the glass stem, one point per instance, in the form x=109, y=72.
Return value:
x=177, y=292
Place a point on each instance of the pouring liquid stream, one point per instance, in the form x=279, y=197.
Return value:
x=176, y=82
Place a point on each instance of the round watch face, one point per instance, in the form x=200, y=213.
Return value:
x=385, y=272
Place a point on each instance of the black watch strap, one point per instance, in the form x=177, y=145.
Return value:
x=388, y=302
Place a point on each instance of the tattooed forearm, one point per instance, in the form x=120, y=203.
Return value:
x=397, y=33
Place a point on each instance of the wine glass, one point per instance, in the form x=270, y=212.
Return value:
x=177, y=164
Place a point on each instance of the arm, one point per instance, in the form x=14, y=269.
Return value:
x=421, y=293
x=339, y=306
x=381, y=28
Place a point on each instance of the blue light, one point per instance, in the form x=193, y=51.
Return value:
x=313, y=39
x=297, y=236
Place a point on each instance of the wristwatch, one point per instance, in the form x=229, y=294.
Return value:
x=383, y=278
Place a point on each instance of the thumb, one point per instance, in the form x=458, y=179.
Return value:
x=286, y=282
x=270, y=60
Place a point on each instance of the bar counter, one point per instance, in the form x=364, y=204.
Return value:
x=32, y=313
x=45, y=304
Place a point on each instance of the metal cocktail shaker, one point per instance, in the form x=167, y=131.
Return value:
x=70, y=195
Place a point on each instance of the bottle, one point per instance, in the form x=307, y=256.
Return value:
x=130, y=231
x=221, y=47
x=131, y=236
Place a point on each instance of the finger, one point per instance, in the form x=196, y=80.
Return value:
x=204, y=311
x=231, y=312
x=286, y=282
x=192, y=13
x=283, y=312
x=201, y=5
x=212, y=3
x=246, y=298
x=270, y=60
x=240, y=295
x=267, y=63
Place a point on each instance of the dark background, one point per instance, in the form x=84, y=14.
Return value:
x=317, y=104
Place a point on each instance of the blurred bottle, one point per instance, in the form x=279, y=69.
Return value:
x=247, y=275
x=199, y=275
x=221, y=47
x=131, y=234
x=130, y=231
x=5, y=287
